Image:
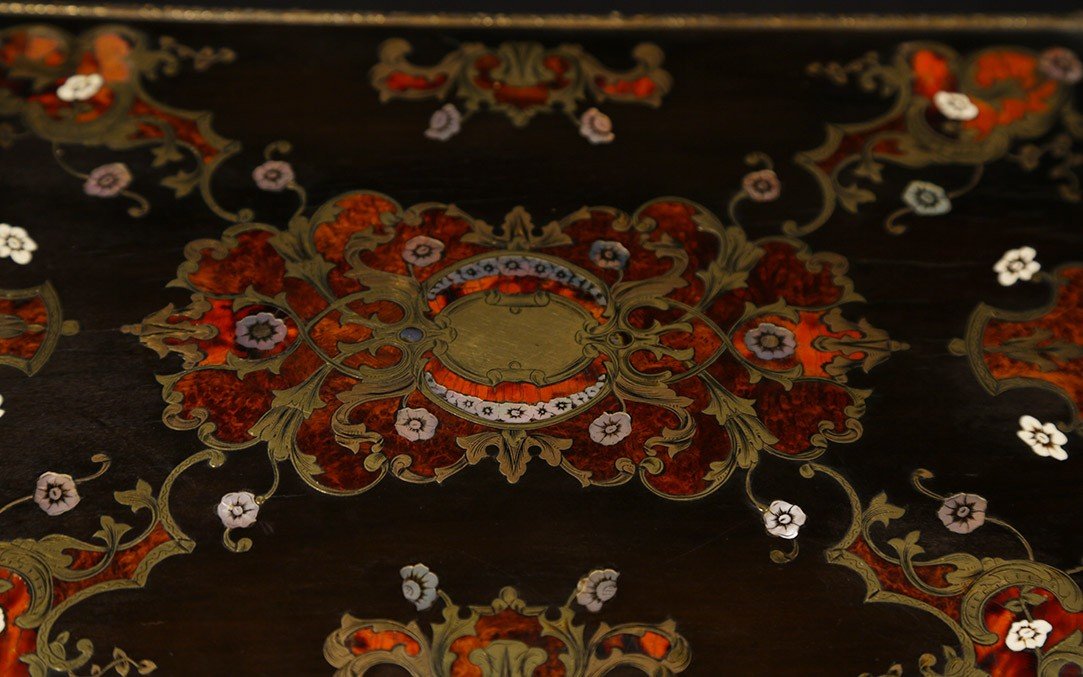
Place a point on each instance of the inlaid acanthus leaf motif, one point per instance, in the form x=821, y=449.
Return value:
x=518, y=232
x=730, y=269
x=1068, y=653
x=168, y=331
x=858, y=342
x=57, y=571
x=738, y=416
x=512, y=450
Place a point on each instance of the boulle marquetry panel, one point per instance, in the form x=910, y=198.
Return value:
x=539, y=347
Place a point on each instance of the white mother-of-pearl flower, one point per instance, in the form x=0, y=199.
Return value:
x=238, y=510
x=261, y=331
x=769, y=341
x=80, y=87
x=926, y=199
x=56, y=493
x=15, y=243
x=1061, y=64
x=955, y=106
x=422, y=250
x=609, y=429
x=419, y=585
x=596, y=588
x=1043, y=439
x=1015, y=265
x=108, y=180
x=1028, y=634
x=609, y=254
x=963, y=513
x=445, y=123
x=762, y=186
x=783, y=519
x=273, y=175
x=415, y=424
x=596, y=126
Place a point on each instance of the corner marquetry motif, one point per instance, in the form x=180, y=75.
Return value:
x=1017, y=106
x=88, y=90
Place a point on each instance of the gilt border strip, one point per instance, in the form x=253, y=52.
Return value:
x=614, y=21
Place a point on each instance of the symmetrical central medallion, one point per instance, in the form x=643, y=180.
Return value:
x=524, y=325
x=660, y=344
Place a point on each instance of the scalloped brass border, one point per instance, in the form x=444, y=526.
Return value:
x=612, y=21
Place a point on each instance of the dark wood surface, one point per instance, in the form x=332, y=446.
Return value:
x=703, y=563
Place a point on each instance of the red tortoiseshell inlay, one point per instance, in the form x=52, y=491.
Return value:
x=1062, y=323
x=522, y=96
x=121, y=566
x=1005, y=84
x=366, y=640
x=507, y=624
x=893, y=579
x=996, y=71
x=524, y=77
x=997, y=658
x=14, y=640
x=404, y=82
x=649, y=643
x=640, y=88
x=506, y=638
x=33, y=313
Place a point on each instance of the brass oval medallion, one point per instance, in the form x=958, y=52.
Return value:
x=498, y=337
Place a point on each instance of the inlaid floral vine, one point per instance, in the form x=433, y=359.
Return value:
x=1012, y=615
x=42, y=579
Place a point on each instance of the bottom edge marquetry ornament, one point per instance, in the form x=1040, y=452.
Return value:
x=507, y=637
